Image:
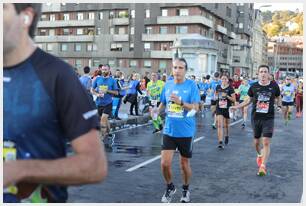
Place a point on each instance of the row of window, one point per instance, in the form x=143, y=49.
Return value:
x=292, y=58
x=93, y=47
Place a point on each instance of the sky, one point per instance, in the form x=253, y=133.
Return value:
x=279, y=6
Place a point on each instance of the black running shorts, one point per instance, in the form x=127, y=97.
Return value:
x=213, y=102
x=107, y=109
x=223, y=112
x=184, y=145
x=287, y=103
x=262, y=128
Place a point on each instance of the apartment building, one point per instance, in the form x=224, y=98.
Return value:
x=285, y=57
x=259, y=42
x=139, y=37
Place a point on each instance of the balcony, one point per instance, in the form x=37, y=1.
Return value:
x=232, y=35
x=120, y=21
x=48, y=39
x=120, y=37
x=64, y=23
x=238, y=42
x=221, y=29
x=161, y=54
x=163, y=37
x=184, y=20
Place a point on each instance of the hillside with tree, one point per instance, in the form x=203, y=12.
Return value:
x=283, y=23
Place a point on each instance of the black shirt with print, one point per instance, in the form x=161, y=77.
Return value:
x=222, y=101
x=263, y=98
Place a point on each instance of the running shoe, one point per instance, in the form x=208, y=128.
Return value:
x=226, y=140
x=185, y=196
x=259, y=160
x=220, y=145
x=262, y=171
x=243, y=125
x=214, y=126
x=167, y=197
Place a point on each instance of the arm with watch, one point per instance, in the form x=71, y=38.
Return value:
x=177, y=100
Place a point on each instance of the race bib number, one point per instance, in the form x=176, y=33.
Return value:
x=262, y=107
x=175, y=110
x=287, y=94
x=223, y=104
x=103, y=88
x=154, y=102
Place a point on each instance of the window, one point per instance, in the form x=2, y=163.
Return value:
x=98, y=32
x=164, y=46
x=181, y=29
x=241, y=4
x=148, y=30
x=132, y=30
x=133, y=63
x=116, y=47
x=112, y=30
x=96, y=63
x=66, y=17
x=236, y=59
x=49, y=47
x=131, y=46
x=80, y=16
x=94, y=47
x=51, y=32
x=163, y=30
x=240, y=26
x=121, y=30
x=164, y=12
x=43, y=32
x=101, y=15
x=43, y=17
x=123, y=14
x=52, y=17
x=66, y=31
x=79, y=31
x=78, y=47
x=112, y=62
x=147, y=13
x=183, y=12
x=147, y=46
x=133, y=14
x=91, y=15
x=147, y=63
x=228, y=12
x=89, y=47
x=64, y=47
x=216, y=6
x=78, y=63
x=111, y=14
x=162, y=64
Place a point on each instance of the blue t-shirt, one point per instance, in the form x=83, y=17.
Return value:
x=133, y=87
x=213, y=86
x=288, y=93
x=86, y=81
x=101, y=84
x=45, y=106
x=203, y=87
x=177, y=124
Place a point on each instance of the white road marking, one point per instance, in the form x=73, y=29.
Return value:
x=159, y=156
x=119, y=130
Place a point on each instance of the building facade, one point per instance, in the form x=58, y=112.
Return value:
x=139, y=37
x=286, y=57
x=259, y=42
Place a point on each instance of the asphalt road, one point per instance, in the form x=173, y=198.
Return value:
x=227, y=176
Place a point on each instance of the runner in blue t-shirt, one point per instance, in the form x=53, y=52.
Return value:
x=181, y=99
x=44, y=107
x=212, y=89
x=104, y=87
x=288, y=93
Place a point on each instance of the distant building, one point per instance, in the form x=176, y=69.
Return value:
x=285, y=57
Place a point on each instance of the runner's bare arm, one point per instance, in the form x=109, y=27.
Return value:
x=115, y=92
x=87, y=165
x=246, y=102
x=161, y=108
